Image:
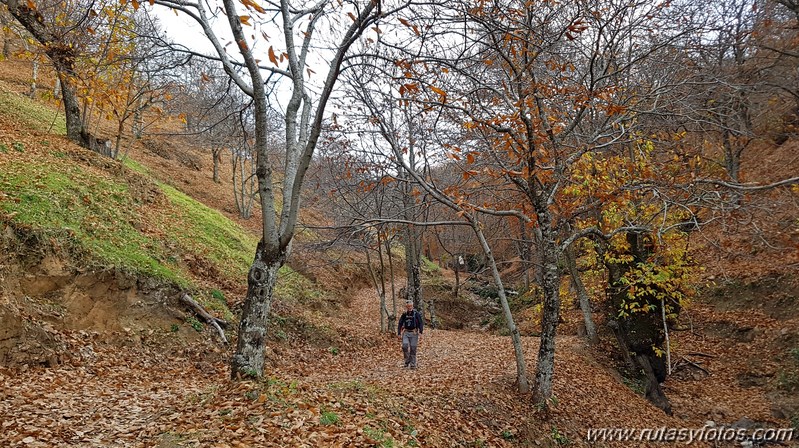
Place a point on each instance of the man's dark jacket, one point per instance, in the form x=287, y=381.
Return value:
x=415, y=317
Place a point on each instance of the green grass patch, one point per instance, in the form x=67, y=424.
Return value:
x=216, y=302
x=429, y=266
x=74, y=207
x=36, y=115
x=135, y=166
x=206, y=232
x=379, y=435
x=96, y=216
x=329, y=418
x=294, y=287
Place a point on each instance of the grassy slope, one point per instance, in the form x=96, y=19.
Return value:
x=111, y=215
x=34, y=115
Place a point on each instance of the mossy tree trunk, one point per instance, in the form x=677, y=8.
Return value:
x=545, y=367
x=638, y=332
x=62, y=55
x=303, y=119
x=249, y=357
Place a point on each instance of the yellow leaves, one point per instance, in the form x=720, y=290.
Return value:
x=469, y=125
x=135, y=5
x=31, y=5
x=245, y=20
x=470, y=158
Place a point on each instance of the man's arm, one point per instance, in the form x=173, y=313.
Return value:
x=399, y=325
x=420, y=322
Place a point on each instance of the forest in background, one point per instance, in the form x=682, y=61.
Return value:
x=601, y=165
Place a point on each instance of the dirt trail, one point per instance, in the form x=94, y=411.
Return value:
x=471, y=376
x=443, y=355
x=463, y=394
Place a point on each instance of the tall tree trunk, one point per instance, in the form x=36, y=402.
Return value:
x=413, y=270
x=392, y=317
x=732, y=156
x=582, y=295
x=216, y=154
x=457, y=279
x=249, y=357
x=545, y=367
x=118, y=139
x=413, y=251
x=384, y=314
x=521, y=365
x=62, y=54
x=537, y=243
x=34, y=77
x=138, y=120
x=381, y=293
x=524, y=252
x=71, y=110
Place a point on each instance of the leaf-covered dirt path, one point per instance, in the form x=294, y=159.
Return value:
x=354, y=395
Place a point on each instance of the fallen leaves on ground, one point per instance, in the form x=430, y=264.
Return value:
x=463, y=394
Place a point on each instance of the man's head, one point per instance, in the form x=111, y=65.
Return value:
x=409, y=305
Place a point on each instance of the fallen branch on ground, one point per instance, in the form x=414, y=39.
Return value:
x=700, y=354
x=694, y=364
x=197, y=308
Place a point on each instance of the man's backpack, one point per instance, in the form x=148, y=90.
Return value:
x=410, y=321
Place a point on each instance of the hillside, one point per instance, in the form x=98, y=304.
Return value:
x=97, y=350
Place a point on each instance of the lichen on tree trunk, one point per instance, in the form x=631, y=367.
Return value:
x=545, y=367
x=249, y=357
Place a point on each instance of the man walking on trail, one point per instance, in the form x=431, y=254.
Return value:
x=409, y=331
